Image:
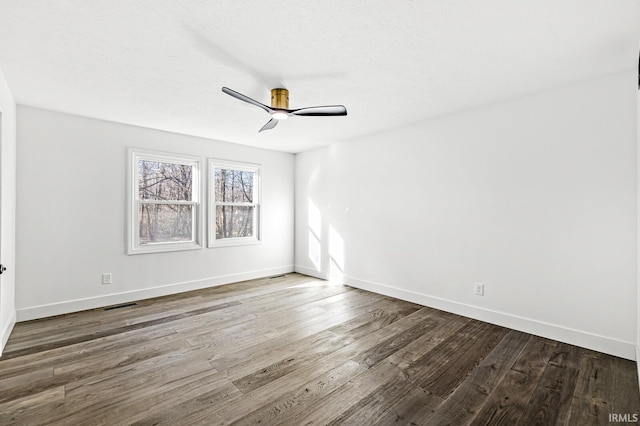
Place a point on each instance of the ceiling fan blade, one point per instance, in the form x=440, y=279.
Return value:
x=270, y=125
x=246, y=99
x=321, y=110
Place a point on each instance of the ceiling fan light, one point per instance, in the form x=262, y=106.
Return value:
x=280, y=115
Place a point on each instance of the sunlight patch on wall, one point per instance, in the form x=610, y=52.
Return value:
x=336, y=256
x=314, y=220
x=315, y=251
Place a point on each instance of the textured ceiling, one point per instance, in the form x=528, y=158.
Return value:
x=162, y=63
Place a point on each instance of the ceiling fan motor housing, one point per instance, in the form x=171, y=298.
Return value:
x=280, y=98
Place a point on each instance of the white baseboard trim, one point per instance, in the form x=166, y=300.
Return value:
x=311, y=272
x=6, y=331
x=42, y=311
x=580, y=338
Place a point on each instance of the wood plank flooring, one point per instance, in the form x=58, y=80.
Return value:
x=294, y=350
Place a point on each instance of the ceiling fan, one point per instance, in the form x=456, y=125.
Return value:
x=279, y=109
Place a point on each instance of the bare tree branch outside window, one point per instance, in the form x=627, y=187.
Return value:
x=233, y=191
x=163, y=189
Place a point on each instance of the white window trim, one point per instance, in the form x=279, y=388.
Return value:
x=133, y=232
x=257, y=203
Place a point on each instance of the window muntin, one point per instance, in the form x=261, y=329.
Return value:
x=235, y=203
x=164, y=202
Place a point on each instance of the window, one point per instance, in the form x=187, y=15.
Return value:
x=164, y=202
x=234, y=216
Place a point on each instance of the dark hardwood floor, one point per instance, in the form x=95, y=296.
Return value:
x=294, y=350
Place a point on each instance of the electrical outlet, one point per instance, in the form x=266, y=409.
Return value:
x=479, y=289
x=106, y=278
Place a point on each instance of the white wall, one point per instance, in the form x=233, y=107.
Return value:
x=8, y=212
x=71, y=217
x=638, y=209
x=535, y=198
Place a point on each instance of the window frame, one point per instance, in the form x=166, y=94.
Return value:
x=133, y=201
x=213, y=164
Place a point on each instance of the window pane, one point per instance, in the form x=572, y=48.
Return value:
x=162, y=223
x=234, y=221
x=164, y=181
x=233, y=186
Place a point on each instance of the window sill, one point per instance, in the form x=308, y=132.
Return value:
x=231, y=242
x=162, y=248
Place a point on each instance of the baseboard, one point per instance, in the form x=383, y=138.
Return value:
x=6, y=331
x=42, y=311
x=551, y=331
x=311, y=272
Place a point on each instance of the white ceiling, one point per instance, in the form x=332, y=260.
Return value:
x=162, y=63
